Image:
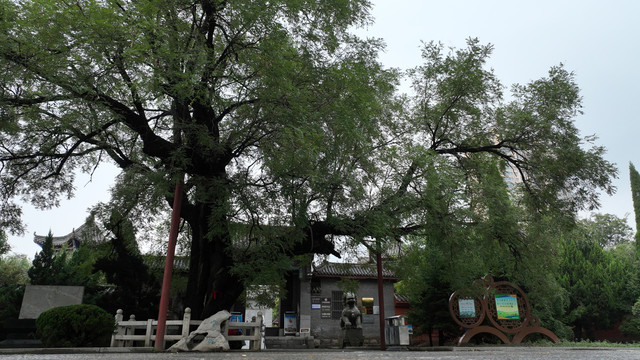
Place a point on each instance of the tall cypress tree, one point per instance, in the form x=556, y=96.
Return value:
x=634, y=177
x=46, y=268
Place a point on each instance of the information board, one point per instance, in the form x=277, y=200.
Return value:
x=325, y=308
x=507, y=307
x=467, y=308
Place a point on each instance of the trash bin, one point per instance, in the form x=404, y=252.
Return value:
x=396, y=331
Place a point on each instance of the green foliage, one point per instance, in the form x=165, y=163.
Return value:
x=599, y=272
x=47, y=267
x=575, y=283
x=63, y=268
x=13, y=277
x=4, y=243
x=11, y=300
x=122, y=265
x=631, y=327
x=607, y=229
x=13, y=270
x=595, y=280
x=279, y=117
x=426, y=281
x=75, y=326
x=634, y=178
x=113, y=273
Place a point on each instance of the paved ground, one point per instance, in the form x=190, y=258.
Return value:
x=498, y=353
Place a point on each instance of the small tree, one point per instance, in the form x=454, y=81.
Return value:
x=51, y=268
x=47, y=268
x=595, y=280
x=13, y=276
x=13, y=270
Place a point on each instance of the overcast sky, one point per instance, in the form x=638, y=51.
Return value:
x=597, y=40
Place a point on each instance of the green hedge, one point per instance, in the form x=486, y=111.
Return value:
x=75, y=326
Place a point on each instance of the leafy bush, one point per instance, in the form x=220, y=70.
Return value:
x=631, y=326
x=10, y=301
x=75, y=326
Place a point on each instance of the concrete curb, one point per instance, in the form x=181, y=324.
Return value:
x=87, y=350
x=133, y=350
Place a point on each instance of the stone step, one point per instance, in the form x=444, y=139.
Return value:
x=289, y=342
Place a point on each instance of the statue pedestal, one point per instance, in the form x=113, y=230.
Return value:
x=351, y=337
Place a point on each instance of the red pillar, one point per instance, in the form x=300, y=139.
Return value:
x=168, y=266
x=383, y=345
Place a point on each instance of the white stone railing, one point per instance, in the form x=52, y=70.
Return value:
x=125, y=333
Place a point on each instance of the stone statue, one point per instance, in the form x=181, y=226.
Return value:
x=351, y=317
x=350, y=322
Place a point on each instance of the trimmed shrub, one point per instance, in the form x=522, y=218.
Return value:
x=75, y=326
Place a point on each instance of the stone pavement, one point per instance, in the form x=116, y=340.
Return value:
x=473, y=353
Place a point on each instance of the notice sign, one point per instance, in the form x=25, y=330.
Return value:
x=315, y=303
x=467, y=308
x=507, y=307
x=325, y=308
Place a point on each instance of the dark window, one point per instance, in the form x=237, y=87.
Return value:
x=316, y=287
x=336, y=304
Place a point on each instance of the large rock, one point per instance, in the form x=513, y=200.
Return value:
x=207, y=337
x=40, y=298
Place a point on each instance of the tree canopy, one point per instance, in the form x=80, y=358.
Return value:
x=599, y=281
x=279, y=119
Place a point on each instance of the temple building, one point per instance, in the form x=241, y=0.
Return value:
x=315, y=308
x=72, y=241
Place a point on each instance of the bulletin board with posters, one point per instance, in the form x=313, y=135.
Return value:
x=495, y=307
x=367, y=311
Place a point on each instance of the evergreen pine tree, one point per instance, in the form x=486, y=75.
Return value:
x=634, y=177
x=42, y=269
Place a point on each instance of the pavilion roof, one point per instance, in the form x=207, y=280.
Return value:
x=351, y=270
x=82, y=234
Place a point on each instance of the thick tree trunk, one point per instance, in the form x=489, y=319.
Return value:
x=211, y=286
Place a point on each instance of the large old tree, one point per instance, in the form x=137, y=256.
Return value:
x=286, y=128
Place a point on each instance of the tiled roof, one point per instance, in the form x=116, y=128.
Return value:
x=155, y=262
x=361, y=271
x=81, y=234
